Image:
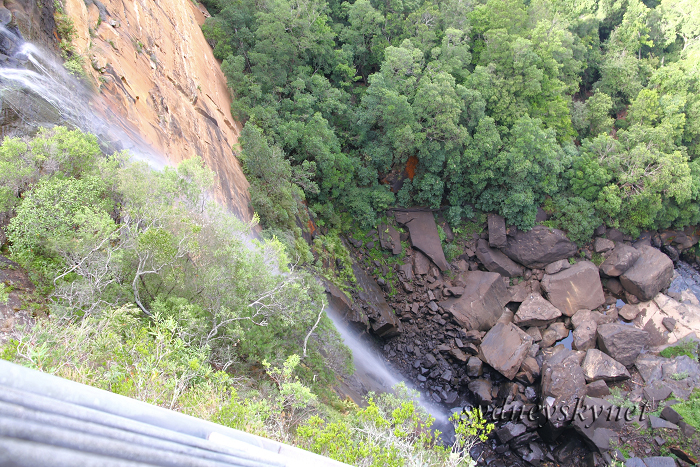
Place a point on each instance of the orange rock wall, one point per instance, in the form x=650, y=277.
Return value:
x=154, y=69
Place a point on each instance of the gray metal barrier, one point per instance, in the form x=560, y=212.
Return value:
x=50, y=421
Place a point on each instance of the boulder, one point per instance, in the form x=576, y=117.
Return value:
x=614, y=287
x=539, y=247
x=622, y=342
x=629, y=312
x=482, y=303
x=557, y=266
x=575, y=288
x=481, y=388
x=406, y=272
x=649, y=274
x=601, y=245
x=505, y=347
x=495, y=261
x=597, y=389
x=535, y=311
x=563, y=380
x=554, y=333
x=383, y=320
x=581, y=316
x=389, y=238
x=659, y=461
x=585, y=335
x=520, y=291
x=421, y=263
x=598, y=431
x=620, y=260
x=497, y=231
x=474, y=367
x=598, y=366
x=424, y=235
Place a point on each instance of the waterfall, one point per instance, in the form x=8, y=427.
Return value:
x=374, y=373
x=36, y=88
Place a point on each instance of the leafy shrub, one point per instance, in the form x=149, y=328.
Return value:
x=577, y=217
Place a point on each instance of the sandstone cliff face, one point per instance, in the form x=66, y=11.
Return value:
x=155, y=70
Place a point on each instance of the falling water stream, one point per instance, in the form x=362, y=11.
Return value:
x=36, y=87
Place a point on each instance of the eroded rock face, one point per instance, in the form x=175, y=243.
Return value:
x=424, y=235
x=505, y=347
x=482, y=303
x=158, y=75
x=649, y=274
x=539, y=247
x=383, y=321
x=343, y=306
x=598, y=366
x=621, y=342
x=575, y=288
x=495, y=261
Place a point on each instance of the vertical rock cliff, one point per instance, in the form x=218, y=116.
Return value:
x=155, y=70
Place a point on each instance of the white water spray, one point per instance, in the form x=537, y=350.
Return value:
x=375, y=374
x=45, y=78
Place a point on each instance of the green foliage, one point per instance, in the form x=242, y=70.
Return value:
x=577, y=217
x=393, y=430
x=477, y=103
x=687, y=347
x=690, y=409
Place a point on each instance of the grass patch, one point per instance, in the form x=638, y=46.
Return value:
x=690, y=409
x=687, y=347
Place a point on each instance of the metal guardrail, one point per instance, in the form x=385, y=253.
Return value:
x=50, y=421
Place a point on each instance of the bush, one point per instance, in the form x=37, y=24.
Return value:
x=577, y=217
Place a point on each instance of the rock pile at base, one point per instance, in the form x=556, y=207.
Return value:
x=520, y=319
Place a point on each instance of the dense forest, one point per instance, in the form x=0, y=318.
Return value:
x=588, y=108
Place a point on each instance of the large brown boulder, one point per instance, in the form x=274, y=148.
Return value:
x=383, y=320
x=497, y=231
x=495, y=261
x=575, y=288
x=649, y=274
x=620, y=260
x=622, y=342
x=505, y=347
x=563, y=380
x=599, y=366
x=536, y=311
x=482, y=303
x=539, y=247
x=424, y=235
x=585, y=334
